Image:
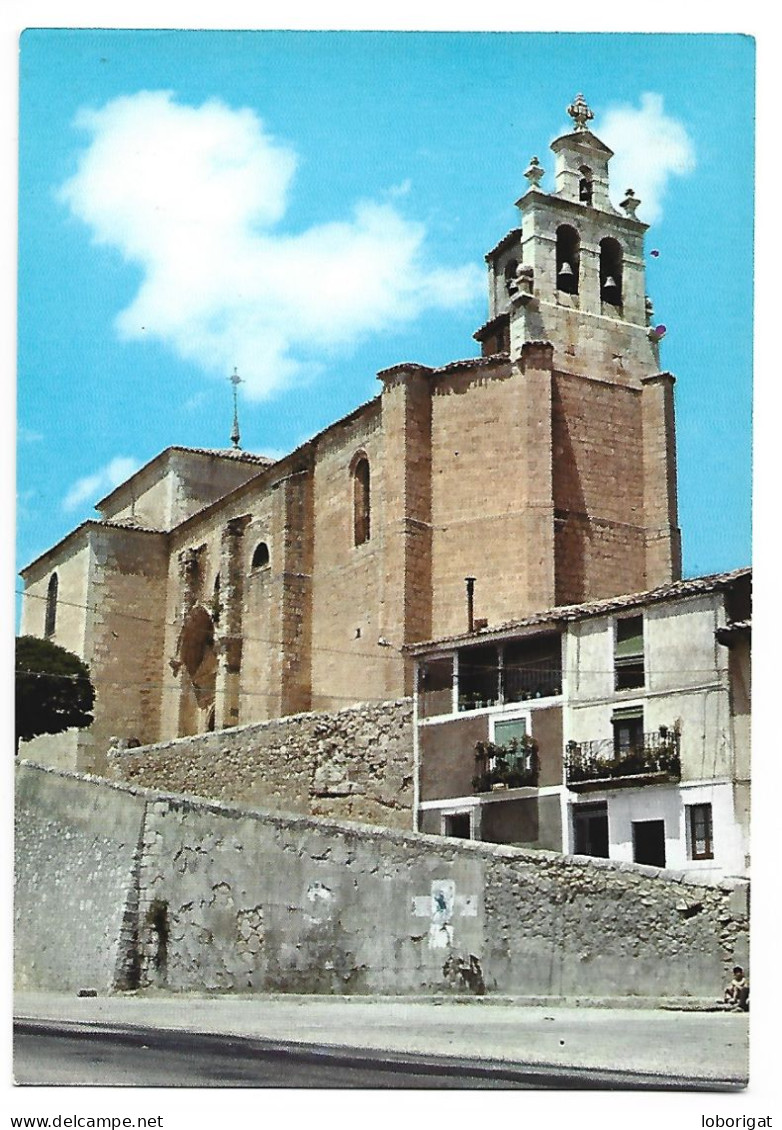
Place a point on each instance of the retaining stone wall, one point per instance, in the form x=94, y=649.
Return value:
x=233, y=899
x=353, y=764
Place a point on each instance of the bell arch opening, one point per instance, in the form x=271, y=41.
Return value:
x=568, y=259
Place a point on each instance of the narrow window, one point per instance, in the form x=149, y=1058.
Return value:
x=361, y=501
x=510, y=274
x=700, y=831
x=51, y=605
x=585, y=185
x=261, y=556
x=568, y=259
x=611, y=271
x=629, y=653
x=216, y=603
x=628, y=728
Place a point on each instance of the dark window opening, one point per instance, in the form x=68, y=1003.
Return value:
x=532, y=668
x=585, y=185
x=649, y=842
x=435, y=687
x=479, y=677
x=700, y=829
x=51, y=605
x=628, y=732
x=611, y=271
x=261, y=556
x=457, y=824
x=361, y=502
x=510, y=273
x=590, y=830
x=738, y=599
x=568, y=259
x=629, y=653
x=217, y=607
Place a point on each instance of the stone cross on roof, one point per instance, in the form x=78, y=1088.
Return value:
x=580, y=113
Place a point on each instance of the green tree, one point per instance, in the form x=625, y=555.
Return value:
x=53, y=689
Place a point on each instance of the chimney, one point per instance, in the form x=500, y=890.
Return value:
x=470, y=582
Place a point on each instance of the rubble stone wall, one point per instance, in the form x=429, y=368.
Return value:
x=352, y=764
x=185, y=894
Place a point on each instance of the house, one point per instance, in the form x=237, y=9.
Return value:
x=217, y=588
x=616, y=728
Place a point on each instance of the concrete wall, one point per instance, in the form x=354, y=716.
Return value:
x=77, y=854
x=227, y=898
x=355, y=764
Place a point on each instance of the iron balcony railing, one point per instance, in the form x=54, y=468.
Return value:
x=515, y=683
x=511, y=766
x=657, y=753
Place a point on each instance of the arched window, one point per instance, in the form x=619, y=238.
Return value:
x=51, y=605
x=510, y=274
x=216, y=604
x=568, y=259
x=261, y=556
x=361, y=501
x=585, y=185
x=611, y=271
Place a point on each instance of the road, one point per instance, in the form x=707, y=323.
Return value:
x=68, y=1054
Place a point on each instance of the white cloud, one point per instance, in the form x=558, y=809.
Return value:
x=92, y=487
x=650, y=147
x=194, y=196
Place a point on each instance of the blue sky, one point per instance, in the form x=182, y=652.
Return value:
x=313, y=207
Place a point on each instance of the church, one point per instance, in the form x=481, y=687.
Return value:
x=218, y=588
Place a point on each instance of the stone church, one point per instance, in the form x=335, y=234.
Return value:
x=217, y=588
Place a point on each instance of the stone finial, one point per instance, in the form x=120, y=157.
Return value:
x=630, y=203
x=534, y=173
x=580, y=113
x=521, y=286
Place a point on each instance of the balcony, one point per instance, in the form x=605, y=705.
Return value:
x=511, y=766
x=652, y=759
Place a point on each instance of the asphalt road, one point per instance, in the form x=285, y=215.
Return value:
x=65, y=1054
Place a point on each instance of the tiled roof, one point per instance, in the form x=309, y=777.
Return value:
x=87, y=524
x=452, y=366
x=227, y=453
x=490, y=325
x=567, y=613
x=506, y=241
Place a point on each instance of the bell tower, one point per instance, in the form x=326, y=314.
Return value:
x=572, y=275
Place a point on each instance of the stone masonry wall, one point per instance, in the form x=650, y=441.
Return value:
x=353, y=764
x=227, y=898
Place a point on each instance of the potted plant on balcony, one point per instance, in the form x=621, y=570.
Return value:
x=512, y=766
